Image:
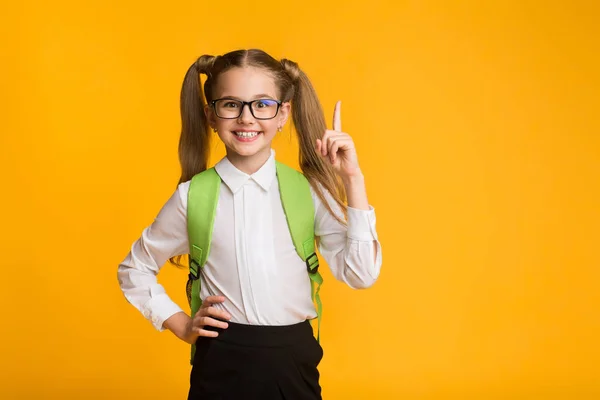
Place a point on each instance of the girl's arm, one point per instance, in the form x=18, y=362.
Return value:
x=353, y=251
x=356, y=191
x=166, y=238
x=137, y=274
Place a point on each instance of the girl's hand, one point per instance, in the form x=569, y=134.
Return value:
x=206, y=317
x=339, y=148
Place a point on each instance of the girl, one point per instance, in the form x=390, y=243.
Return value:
x=252, y=335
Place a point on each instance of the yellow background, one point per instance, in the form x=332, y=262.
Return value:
x=476, y=125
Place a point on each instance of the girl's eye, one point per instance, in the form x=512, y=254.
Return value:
x=265, y=103
x=231, y=104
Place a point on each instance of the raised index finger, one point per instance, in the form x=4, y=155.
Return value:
x=337, y=117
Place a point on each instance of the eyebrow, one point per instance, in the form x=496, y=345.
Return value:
x=258, y=96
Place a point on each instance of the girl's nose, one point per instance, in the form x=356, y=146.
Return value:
x=246, y=115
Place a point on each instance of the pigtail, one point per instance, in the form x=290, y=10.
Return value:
x=309, y=123
x=194, y=141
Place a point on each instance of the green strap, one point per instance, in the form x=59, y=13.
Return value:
x=317, y=279
x=203, y=197
x=299, y=210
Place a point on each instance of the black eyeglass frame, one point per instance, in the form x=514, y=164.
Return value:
x=244, y=103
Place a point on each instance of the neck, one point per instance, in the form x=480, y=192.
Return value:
x=249, y=164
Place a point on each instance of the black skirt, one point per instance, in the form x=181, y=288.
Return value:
x=257, y=362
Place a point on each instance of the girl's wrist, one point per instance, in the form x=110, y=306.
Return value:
x=353, y=179
x=181, y=326
x=356, y=191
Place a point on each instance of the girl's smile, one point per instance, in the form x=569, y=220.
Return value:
x=244, y=135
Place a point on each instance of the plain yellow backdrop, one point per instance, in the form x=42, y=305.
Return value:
x=477, y=127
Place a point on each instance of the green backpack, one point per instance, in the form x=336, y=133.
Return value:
x=299, y=211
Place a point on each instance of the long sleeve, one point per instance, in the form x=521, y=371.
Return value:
x=166, y=237
x=353, y=252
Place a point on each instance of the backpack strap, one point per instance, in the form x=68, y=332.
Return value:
x=299, y=210
x=203, y=197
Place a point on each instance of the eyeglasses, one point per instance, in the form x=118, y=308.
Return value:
x=232, y=109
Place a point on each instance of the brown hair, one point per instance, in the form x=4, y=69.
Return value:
x=307, y=117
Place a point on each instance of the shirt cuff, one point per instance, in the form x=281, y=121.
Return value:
x=159, y=308
x=361, y=224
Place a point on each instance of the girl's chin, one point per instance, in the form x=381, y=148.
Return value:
x=247, y=149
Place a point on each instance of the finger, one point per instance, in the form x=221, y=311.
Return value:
x=328, y=139
x=325, y=141
x=320, y=147
x=341, y=142
x=215, y=312
x=335, y=144
x=337, y=117
x=210, y=300
x=204, y=332
x=208, y=321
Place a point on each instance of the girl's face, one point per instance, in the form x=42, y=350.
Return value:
x=246, y=135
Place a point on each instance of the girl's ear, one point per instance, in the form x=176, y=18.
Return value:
x=210, y=116
x=284, y=113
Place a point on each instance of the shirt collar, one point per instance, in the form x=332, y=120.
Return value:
x=235, y=179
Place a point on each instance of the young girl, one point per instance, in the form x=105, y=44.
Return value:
x=252, y=335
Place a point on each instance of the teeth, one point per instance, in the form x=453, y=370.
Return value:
x=246, y=134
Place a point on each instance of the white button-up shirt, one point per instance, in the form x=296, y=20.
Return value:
x=252, y=262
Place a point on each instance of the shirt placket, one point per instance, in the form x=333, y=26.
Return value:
x=242, y=256
x=255, y=207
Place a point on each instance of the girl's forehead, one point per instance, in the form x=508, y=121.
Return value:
x=245, y=82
